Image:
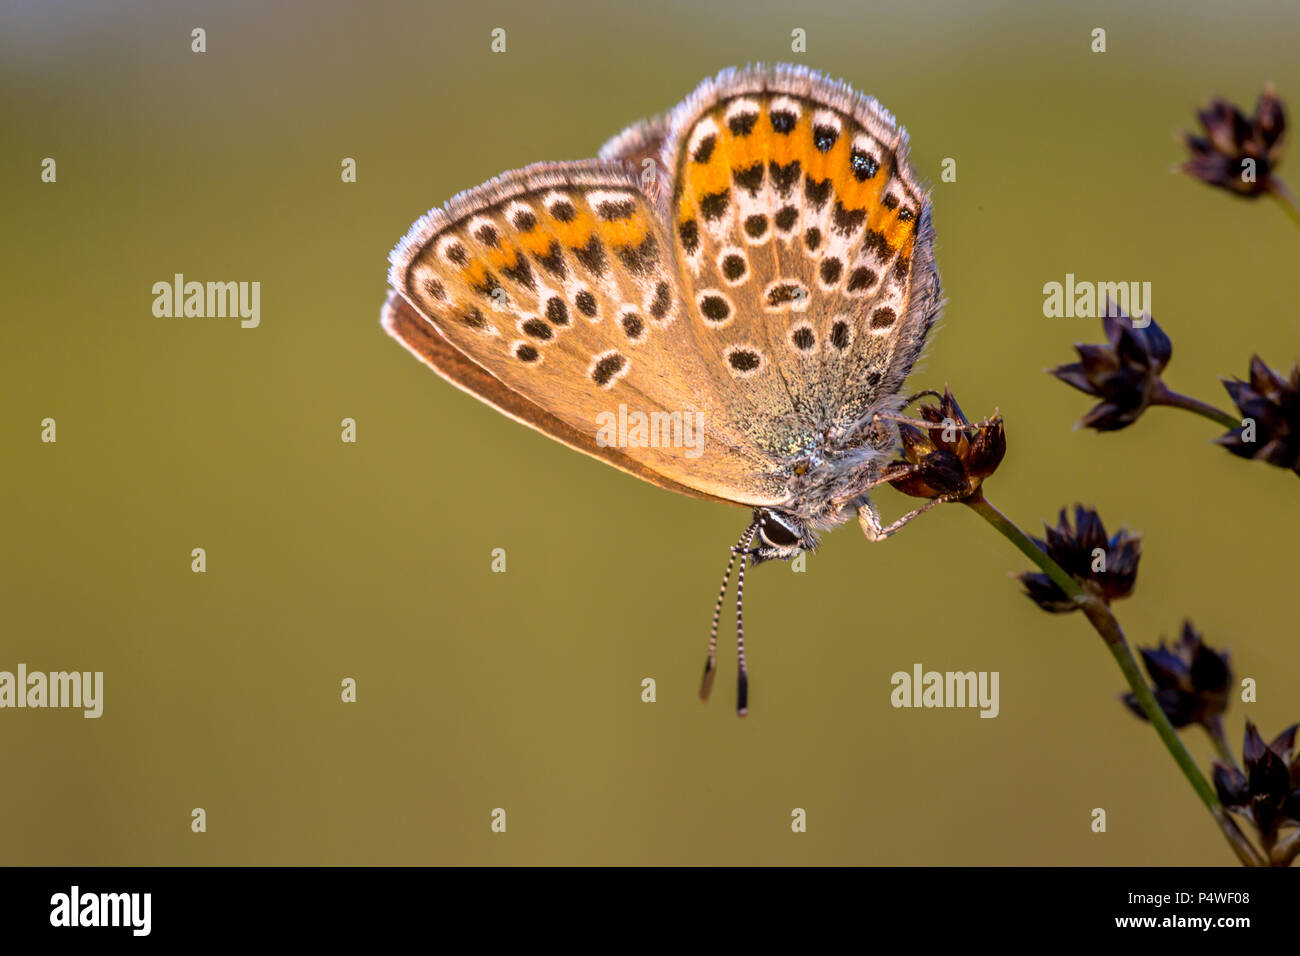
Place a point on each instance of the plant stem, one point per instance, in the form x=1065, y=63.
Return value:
x=1100, y=617
x=1285, y=198
x=1221, y=745
x=1286, y=850
x=1012, y=533
x=1165, y=396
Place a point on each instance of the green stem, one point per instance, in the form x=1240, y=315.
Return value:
x=1285, y=198
x=1221, y=746
x=1164, y=396
x=1100, y=617
x=1012, y=533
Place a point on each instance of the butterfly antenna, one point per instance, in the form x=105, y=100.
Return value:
x=742, y=673
x=711, y=662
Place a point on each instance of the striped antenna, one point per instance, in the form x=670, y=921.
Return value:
x=711, y=662
x=742, y=672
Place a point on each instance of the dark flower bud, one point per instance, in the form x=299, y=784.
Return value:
x=1190, y=679
x=1269, y=791
x=1270, y=408
x=1238, y=153
x=1105, y=566
x=1125, y=374
x=950, y=456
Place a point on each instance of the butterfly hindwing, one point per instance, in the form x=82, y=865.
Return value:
x=804, y=243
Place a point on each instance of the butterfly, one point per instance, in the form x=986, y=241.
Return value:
x=725, y=303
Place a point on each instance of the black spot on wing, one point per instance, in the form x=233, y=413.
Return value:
x=607, y=367
x=817, y=192
x=751, y=179
x=784, y=292
x=520, y=272
x=847, y=221
x=557, y=312
x=863, y=164
x=704, y=149
x=782, y=121
x=840, y=335
x=876, y=244
x=689, y=232
x=784, y=177
x=610, y=210
x=553, y=260
x=742, y=124
x=537, y=329
x=487, y=285
x=640, y=259
x=861, y=279
x=714, y=308
x=592, y=256
x=662, y=300
x=633, y=326
x=714, y=205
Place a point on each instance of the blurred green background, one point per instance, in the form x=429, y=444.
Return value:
x=372, y=561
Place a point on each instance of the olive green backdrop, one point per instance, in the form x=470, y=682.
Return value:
x=522, y=690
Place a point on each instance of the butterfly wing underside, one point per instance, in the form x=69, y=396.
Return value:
x=804, y=244
x=773, y=279
x=426, y=343
x=559, y=282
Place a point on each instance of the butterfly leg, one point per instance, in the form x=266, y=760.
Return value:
x=869, y=519
x=921, y=423
x=928, y=393
x=890, y=472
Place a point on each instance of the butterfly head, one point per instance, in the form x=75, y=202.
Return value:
x=780, y=536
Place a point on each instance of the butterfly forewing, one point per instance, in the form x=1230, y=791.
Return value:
x=426, y=343
x=560, y=282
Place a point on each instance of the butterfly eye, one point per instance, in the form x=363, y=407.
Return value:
x=777, y=534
